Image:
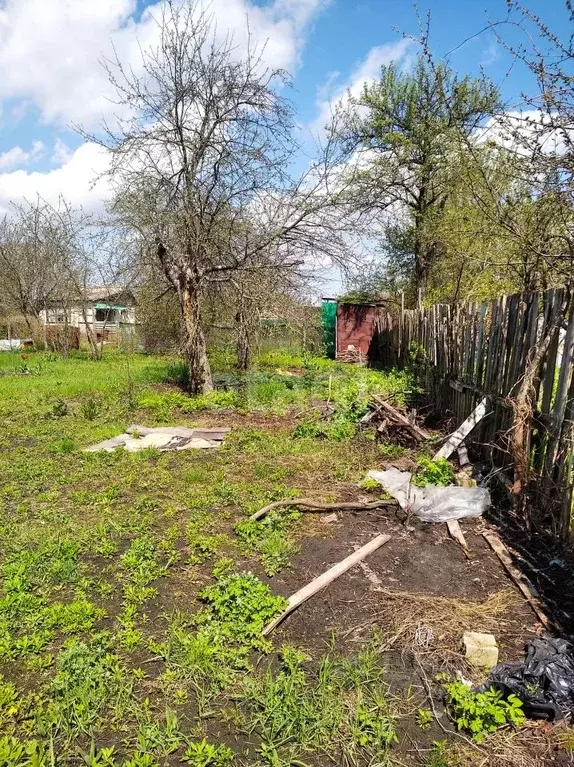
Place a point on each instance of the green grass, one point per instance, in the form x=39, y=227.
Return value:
x=339, y=709
x=133, y=587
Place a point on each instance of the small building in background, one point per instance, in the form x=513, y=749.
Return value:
x=105, y=309
x=350, y=328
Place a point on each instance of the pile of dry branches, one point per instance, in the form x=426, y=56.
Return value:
x=393, y=423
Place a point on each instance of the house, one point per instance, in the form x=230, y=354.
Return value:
x=104, y=309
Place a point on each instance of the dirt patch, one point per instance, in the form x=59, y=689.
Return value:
x=415, y=595
x=421, y=559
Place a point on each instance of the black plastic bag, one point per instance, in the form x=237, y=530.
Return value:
x=544, y=682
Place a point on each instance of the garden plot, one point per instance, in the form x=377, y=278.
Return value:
x=135, y=588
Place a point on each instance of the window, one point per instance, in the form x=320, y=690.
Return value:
x=106, y=315
x=57, y=317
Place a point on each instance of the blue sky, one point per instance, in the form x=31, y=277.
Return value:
x=51, y=77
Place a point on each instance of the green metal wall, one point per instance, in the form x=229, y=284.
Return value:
x=329, y=323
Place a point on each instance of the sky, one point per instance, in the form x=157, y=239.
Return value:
x=51, y=77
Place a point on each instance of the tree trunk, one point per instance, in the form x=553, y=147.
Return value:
x=243, y=345
x=194, y=345
x=91, y=335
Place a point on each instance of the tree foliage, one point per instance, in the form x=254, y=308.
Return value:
x=405, y=127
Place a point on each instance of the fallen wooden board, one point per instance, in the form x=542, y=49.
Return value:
x=456, y=534
x=326, y=578
x=527, y=588
x=306, y=503
x=464, y=429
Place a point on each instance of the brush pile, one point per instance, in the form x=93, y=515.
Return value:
x=393, y=423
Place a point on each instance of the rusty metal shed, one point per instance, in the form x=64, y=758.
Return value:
x=350, y=328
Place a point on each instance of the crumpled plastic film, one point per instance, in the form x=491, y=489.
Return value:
x=430, y=503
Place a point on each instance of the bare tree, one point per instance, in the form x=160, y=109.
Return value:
x=201, y=167
x=28, y=269
x=50, y=258
x=89, y=254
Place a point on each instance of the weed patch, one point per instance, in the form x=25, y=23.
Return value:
x=438, y=472
x=481, y=713
x=270, y=539
x=238, y=607
x=339, y=709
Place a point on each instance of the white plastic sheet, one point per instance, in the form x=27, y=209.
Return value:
x=430, y=503
x=7, y=345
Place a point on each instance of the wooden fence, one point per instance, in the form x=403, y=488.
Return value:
x=467, y=352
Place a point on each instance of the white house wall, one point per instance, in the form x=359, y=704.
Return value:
x=77, y=317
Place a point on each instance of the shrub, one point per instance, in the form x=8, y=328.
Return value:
x=481, y=713
x=439, y=473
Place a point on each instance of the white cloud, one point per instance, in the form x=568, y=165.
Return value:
x=61, y=154
x=76, y=180
x=50, y=49
x=524, y=132
x=19, y=111
x=16, y=156
x=491, y=54
x=366, y=72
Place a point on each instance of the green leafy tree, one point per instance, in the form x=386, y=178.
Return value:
x=403, y=127
x=499, y=231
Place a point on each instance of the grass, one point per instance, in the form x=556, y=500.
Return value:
x=133, y=587
x=339, y=709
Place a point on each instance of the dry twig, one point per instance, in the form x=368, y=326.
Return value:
x=306, y=504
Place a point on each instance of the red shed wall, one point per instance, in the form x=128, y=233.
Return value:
x=355, y=327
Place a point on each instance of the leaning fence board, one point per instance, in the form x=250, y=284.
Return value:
x=464, y=429
x=326, y=578
x=556, y=297
x=561, y=400
x=524, y=584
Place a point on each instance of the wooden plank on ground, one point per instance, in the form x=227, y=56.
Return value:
x=326, y=578
x=524, y=584
x=457, y=535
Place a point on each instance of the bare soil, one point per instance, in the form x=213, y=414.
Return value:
x=419, y=563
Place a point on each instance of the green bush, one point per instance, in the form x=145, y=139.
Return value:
x=481, y=713
x=439, y=473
